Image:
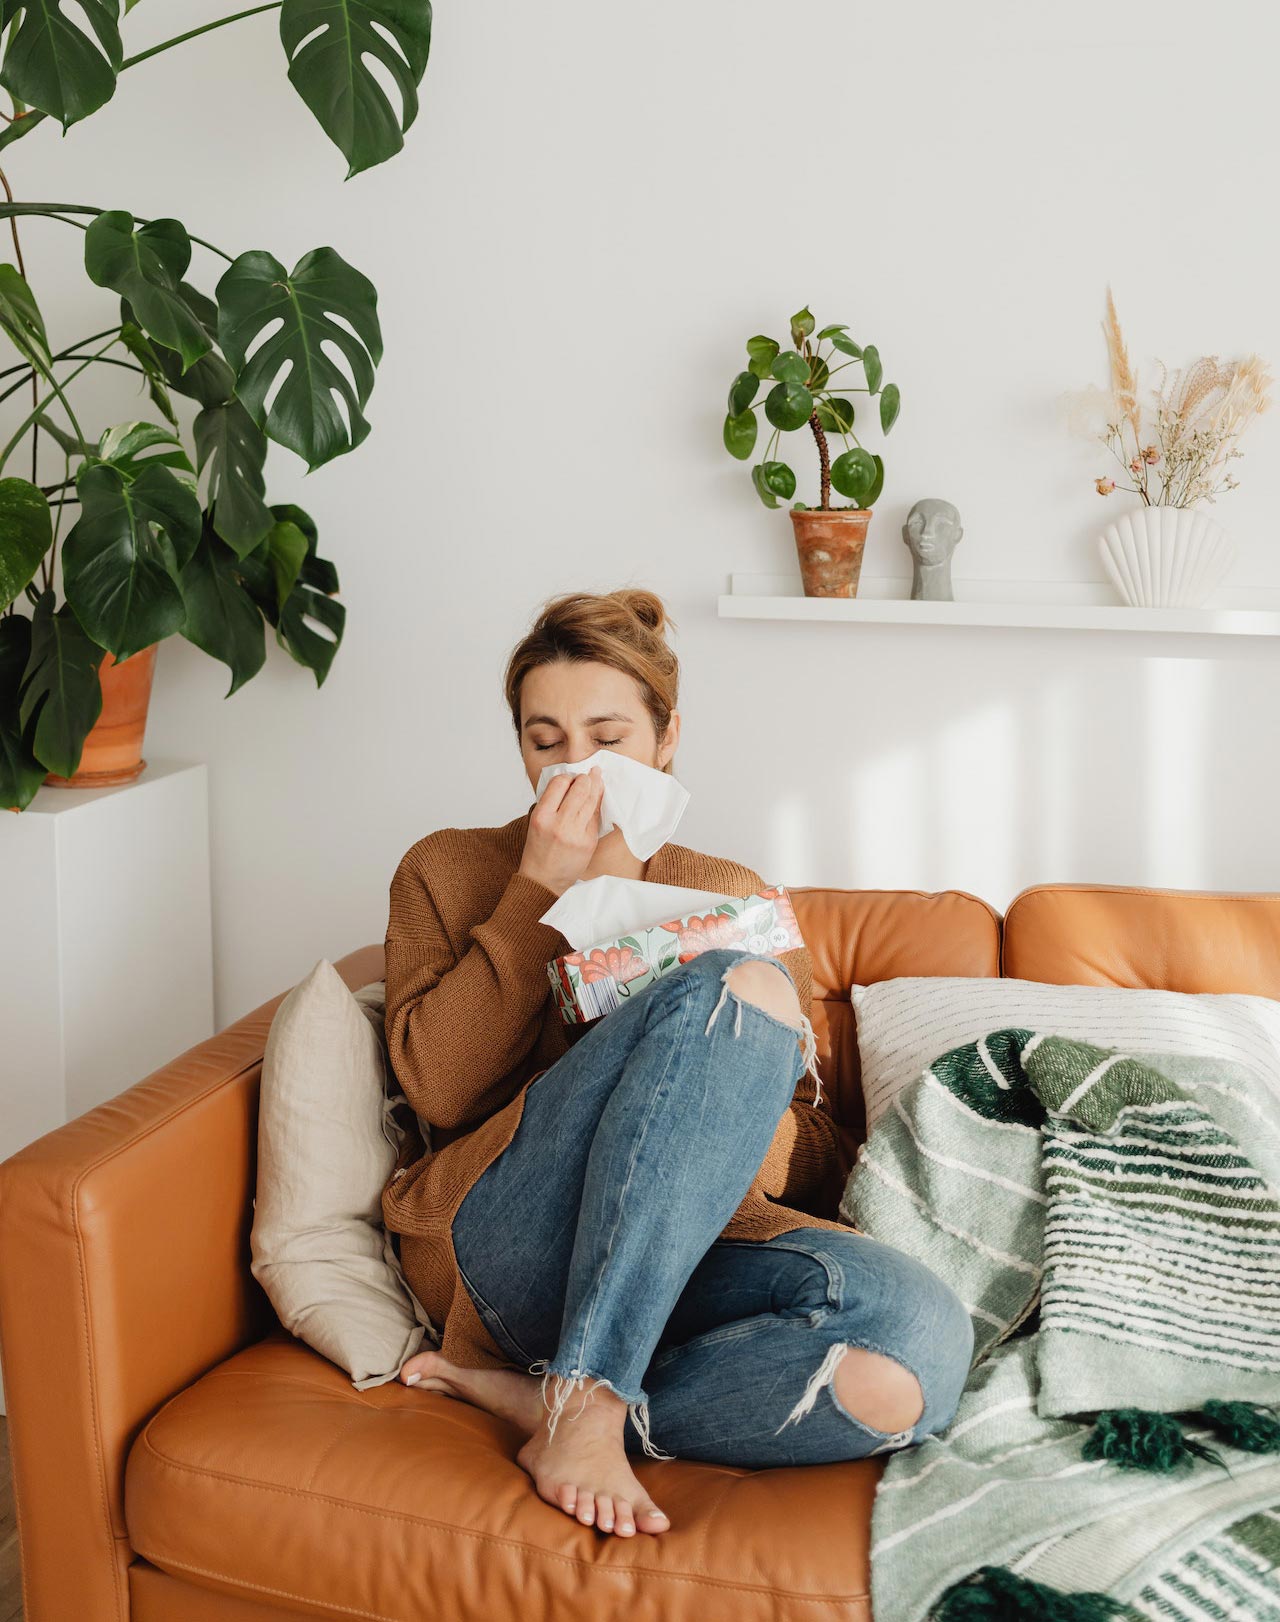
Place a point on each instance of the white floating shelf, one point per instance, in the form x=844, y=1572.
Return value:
x=1073, y=606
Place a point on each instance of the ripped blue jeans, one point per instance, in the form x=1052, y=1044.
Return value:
x=591, y=1246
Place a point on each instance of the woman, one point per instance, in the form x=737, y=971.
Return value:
x=631, y=1209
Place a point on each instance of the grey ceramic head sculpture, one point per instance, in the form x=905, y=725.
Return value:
x=932, y=532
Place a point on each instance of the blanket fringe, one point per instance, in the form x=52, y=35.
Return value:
x=1246, y=1425
x=995, y=1594
x=1138, y=1439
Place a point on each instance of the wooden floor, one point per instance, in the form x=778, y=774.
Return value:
x=10, y=1583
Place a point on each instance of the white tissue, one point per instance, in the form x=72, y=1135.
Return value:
x=645, y=803
x=593, y=911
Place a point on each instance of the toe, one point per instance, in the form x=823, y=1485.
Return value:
x=585, y=1509
x=650, y=1518
x=604, y=1512
x=624, y=1522
x=415, y=1368
x=566, y=1496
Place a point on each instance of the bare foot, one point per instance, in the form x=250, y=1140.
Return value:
x=583, y=1468
x=506, y=1393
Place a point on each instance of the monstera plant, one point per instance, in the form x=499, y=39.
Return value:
x=170, y=528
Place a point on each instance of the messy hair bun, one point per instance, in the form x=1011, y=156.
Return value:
x=624, y=629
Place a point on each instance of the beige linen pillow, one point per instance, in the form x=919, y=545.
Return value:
x=327, y=1144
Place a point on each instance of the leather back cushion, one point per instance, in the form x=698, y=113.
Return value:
x=860, y=936
x=1166, y=940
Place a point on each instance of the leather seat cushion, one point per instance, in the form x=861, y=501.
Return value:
x=272, y=1478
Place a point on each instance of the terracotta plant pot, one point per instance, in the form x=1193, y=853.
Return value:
x=830, y=546
x=113, y=750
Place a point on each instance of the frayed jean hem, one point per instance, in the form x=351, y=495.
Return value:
x=565, y=1384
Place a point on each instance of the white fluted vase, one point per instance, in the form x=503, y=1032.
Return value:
x=1165, y=557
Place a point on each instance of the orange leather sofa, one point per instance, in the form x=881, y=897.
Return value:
x=178, y=1457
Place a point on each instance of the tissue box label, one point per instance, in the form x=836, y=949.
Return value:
x=598, y=979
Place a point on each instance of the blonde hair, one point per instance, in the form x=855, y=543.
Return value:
x=623, y=629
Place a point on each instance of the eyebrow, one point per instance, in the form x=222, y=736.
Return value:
x=592, y=720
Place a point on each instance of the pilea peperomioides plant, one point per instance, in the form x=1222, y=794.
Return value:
x=805, y=395
x=273, y=355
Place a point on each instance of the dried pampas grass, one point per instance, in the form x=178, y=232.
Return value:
x=1200, y=412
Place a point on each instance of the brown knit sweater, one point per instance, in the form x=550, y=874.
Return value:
x=471, y=1021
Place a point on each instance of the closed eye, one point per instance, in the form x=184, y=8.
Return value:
x=602, y=743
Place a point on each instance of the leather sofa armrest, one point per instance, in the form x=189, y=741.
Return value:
x=124, y=1276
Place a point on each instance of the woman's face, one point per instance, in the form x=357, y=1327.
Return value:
x=569, y=709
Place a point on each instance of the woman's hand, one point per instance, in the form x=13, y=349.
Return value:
x=564, y=829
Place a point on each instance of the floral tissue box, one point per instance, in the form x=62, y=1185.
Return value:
x=598, y=979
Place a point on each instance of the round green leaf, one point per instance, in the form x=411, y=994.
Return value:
x=761, y=350
x=26, y=534
x=872, y=366
x=846, y=345
x=830, y=332
x=788, y=405
x=740, y=434
x=835, y=414
x=790, y=367
x=877, y=484
x=802, y=324
x=853, y=474
x=819, y=373
x=742, y=391
x=762, y=489
x=778, y=478
x=890, y=402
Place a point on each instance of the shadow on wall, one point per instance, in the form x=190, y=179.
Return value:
x=1045, y=759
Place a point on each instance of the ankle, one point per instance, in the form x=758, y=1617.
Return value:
x=592, y=1408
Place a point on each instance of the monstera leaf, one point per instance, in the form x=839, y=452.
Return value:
x=20, y=317
x=326, y=42
x=132, y=446
x=26, y=534
x=255, y=292
x=21, y=774
x=235, y=450
x=291, y=584
x=146, y=267
x=62, y=696
x=222, y=618
x=122, y=556
x=208, y=380
x=147, y=356
x=51, y=63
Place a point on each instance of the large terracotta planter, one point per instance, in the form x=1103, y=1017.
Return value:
x=113, y=750
x=830, y=547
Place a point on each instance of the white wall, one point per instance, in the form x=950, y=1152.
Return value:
x=597, y=205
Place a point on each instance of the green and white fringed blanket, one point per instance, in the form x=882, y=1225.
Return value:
x=1114, y=1452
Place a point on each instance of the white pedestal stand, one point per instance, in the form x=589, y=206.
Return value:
x=106, y=953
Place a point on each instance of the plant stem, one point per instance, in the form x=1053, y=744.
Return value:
x=62, y=354
x=107, y=360
x=824, y=461
x=40, y=405
x=26, y=121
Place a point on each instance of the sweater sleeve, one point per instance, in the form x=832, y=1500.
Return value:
x=458, y=1026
